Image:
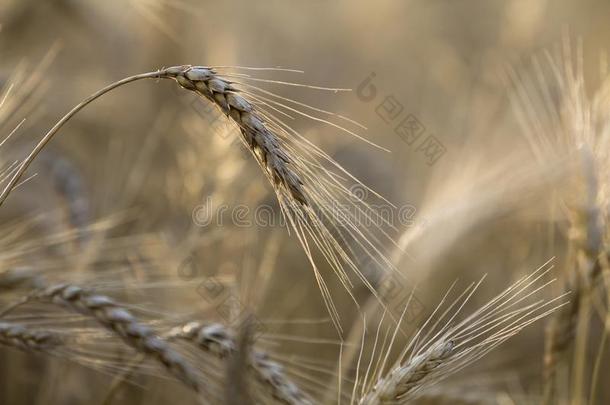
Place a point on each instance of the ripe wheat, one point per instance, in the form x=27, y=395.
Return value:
x=217, y=340
x=440, y=348
x=26, y=339
x=119, y=320
x=322, y=211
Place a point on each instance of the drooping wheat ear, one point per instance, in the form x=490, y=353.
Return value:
x=315, y=193
x=265, y=144
x=205, y=82
x=319, y=208
x=441, y=348
x=120, y=321
x=19, y=336
x=218, y=341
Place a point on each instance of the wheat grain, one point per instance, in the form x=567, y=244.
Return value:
x=402, y=380
x=17, y=335
x=266, y=146
x=217, y=340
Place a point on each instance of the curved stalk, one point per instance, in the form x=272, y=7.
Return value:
x=49, y=135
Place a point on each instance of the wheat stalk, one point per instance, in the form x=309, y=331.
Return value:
x=587, y=243
x=218, y=341
x=206, y=82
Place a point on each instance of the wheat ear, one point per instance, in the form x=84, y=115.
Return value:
x=217, y=340
x=401, y=380
x=120, y=321
x=19, y=336
x=205, y=82
x=440, y=348
x=265, y=145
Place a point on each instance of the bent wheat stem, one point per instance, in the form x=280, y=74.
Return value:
x=53, y=131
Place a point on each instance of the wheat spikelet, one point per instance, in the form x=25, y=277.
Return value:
x=217, y=340
x=19, y=336
x=403, y=379
x=119, y=320
x=266, y=146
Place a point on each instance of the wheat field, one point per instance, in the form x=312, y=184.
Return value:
x=316, y=202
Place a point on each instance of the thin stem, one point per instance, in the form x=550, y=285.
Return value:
x=14, y=306
x=49, y=135
x=598, y=362
x=580, y=348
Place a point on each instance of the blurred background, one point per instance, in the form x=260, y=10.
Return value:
x=117, y=193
